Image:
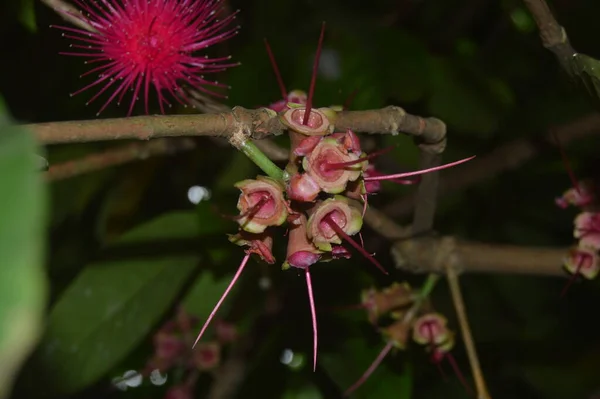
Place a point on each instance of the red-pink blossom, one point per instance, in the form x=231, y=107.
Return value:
x=138, y=44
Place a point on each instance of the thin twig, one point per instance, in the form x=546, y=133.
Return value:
x=116, y=156
x=69, y=13
x=420, y=256
x=459, y=306
x=553, y=36
x=509, y=156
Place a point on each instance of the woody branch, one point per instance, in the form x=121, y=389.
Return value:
x=252, y=124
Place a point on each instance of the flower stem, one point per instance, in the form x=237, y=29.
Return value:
x=423, y=294
x=261, y=160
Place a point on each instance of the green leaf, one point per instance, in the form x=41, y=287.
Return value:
x=112, y=305
x=586, y=75
x=466, y=103
x=22, y=245
x=27, y=15
x=205, y=293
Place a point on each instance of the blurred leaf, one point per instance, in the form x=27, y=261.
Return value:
x=27, y=15
x=403, y=60
x=22, y=245
x=348, y=366
x=111, y=306
x=558, y=381
x=463, y=103
x=586, y=74
x=204, y=294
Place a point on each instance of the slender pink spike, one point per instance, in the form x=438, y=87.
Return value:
x=218, y=305
x=418, y=172
x=386, y=349
x=313, y=79
x=459, y=374
x=350, y=99
x=340, y=165
x=572, y=278
x=313, y=312
x=362, y=242
x=339, y=231
x=284, y=93
x=567, y=163
x=407, y=182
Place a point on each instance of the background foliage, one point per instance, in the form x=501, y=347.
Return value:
x=126, y=245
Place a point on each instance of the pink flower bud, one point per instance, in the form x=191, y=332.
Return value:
x=342, y=212
x=307, y=145
x=206, y=355
x=226, y=332
x=430, y=329
x=302, y=187
x=168, y=346
x=259, y=244
x=301, y=253
x=261, y=204
x=580, y=196
x=587, y=228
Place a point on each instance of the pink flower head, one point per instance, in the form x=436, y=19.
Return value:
x=139, y=43
x=587, y=229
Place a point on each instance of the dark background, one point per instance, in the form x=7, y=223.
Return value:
x=476, y=64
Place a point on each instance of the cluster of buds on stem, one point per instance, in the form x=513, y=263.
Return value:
x=172, y=352
x=320, y=197
x=583, y=258
x=410, y=317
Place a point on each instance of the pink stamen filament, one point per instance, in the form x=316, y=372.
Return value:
x=341, y=165
x=253, y=210
x=573, y=277
x=450, y=358
x=458, y=373
x=313, y=79
x=418, y=172
x=218, y=305
x=313, y=313
x=567, y=164
x=284, y=93
x=384, y=352
x=339, y=231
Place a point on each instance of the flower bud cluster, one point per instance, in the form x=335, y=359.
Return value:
x=583, y=258
x=173, y=350
x=392, y=310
